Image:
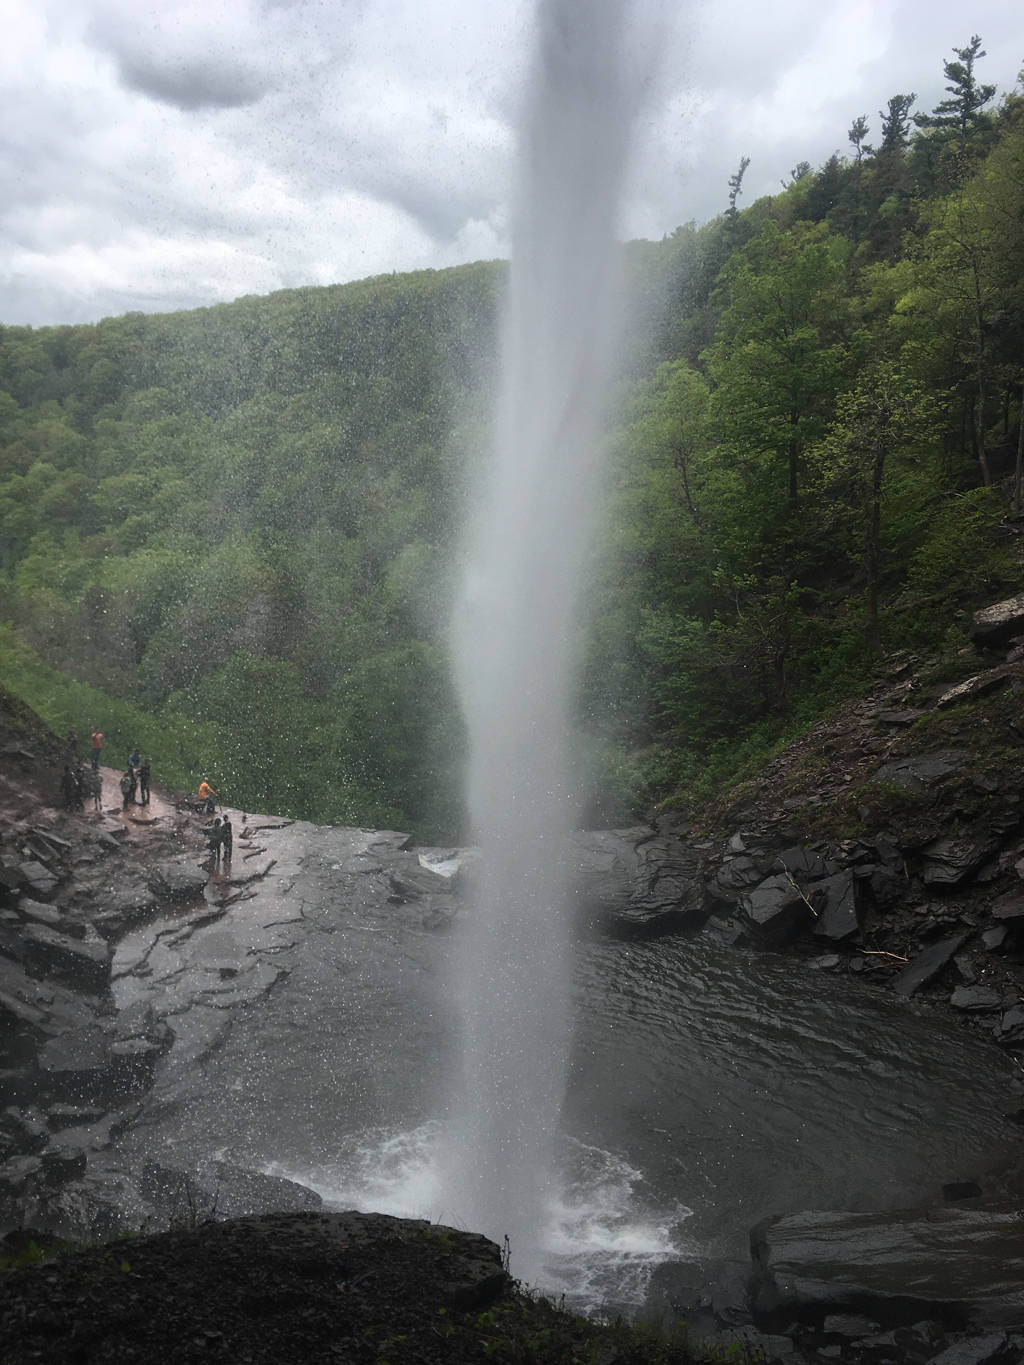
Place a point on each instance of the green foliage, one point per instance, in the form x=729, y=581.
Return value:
x=237, y=521
x=37, y=1250
x=963, y=548
x=229, y=534
x=178, y=746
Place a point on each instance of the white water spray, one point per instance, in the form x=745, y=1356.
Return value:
x=517, y=626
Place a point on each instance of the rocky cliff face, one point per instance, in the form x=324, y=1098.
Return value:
x=888, y=842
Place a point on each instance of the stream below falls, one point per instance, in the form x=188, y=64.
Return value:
x=709, y=1087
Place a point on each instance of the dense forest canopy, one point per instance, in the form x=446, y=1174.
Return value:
x=231, y=535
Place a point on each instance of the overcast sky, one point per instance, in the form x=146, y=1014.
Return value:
x=157, y=156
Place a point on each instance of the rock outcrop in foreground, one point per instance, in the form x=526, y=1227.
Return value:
x=283, y=1288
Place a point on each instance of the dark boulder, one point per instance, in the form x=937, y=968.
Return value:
x=736, y=876
x=803, y=864
x=62, y=1162
x=996, y=1348
x=410, y=880
x=176, y=881
x=31, y=1007
x=995, y=626
x=924, y=772
x=976, y=999
x=775, y=910
x=1010, y=905
x=220, y=1189
x=637, y=882
x=38, y=877
x=835, y=902
x=18, y=1176
x=82, y=964
x=40, y=912
x=899, y=719
x=979, y=686
x=948, y=862
x=78, y=1065
x=885, y=887
x=25, y=1128
x=928, y=964
x=281, y=1287
x=666, y=885
x=106, y=1062
x=963, y=1266
x=1010, y=1028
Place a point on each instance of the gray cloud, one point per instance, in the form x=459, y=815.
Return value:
x=164, y=154
x=199, y=83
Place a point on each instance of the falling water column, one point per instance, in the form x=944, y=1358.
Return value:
x=516, y=625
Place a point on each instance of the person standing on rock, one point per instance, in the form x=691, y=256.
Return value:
x=94, y=786
x=80, y=791
x=134, y=758
x=97, y=748
x=226, y=839
x=128, y=789
x=67, y=787
x=144, y=782
x=206, y=797
x=214, y=838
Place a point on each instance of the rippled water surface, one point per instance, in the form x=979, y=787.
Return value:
x=709, y=1087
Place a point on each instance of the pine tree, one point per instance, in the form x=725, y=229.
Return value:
x=896, y=124
x=857, y=134
x=952, y=135
x=735, y=186
x=962, y=112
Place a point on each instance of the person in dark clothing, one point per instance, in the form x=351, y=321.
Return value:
x=67, y=787
x=134, y=758
x=128, y=789
x=226, y=839
x=144, y=782
x=79, y=775
x=214, y=837
x=94, y=788
x=72, y=743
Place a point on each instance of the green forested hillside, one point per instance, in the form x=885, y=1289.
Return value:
x=231, y=534
x=239, y=521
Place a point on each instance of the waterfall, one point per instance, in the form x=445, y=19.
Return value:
x=516, y=625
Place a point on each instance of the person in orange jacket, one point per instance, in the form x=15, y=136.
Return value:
x=206, y=796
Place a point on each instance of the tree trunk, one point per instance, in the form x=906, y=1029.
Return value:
x=680, y=461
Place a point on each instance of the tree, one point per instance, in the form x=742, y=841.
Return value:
x=969, y=276
x=962, y=111
x=885, y=412
x=735, y=186
x=886, y=206
x=780, y=352
x=953, y=131
x=825, y=195
x=858, y=134
x=896, y=125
